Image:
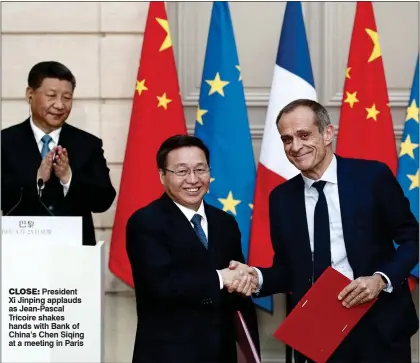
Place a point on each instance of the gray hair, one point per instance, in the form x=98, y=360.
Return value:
x=321, y=117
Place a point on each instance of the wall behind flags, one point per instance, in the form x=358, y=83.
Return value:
x=101, y=42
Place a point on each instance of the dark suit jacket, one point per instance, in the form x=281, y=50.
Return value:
x=183, y=316
x=374, y=213
x=90, y=188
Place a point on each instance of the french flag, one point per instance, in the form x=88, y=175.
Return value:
x=292, y=80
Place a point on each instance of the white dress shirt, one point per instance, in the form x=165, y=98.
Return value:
x=55, y=135
x=189, y=214
x=339, y=260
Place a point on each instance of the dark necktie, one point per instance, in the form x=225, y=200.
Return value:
x=196, y=221
x=322, y=242
x=46, y=139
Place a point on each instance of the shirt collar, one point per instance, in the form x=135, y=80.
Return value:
x=39, y=134
x=330, y=175
x=189, y=213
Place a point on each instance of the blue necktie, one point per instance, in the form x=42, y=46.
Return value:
x=46, y=139
x=196, y=221
x=322, y=242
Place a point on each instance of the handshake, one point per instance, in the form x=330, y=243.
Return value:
x=240, y=278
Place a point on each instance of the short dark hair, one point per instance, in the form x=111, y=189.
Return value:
x=322, y=119
x=49, y=69
x=176, y=142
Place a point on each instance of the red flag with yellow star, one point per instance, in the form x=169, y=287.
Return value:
x=157, y=114
x=365, y=129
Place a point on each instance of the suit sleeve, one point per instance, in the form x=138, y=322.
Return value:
x=152, y=264
x=91, y=185
x=13, y=186
x=243, y=303
x=274, y=277
x=403, y=227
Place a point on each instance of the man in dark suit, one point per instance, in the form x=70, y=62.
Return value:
x=177, y=247
x=43, y=157
x=343, y=213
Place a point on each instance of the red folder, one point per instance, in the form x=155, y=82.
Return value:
x=319, y=322
x=247, y=353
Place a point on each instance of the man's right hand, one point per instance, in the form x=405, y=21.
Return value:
x=44, y=170
x=240, y=278
x=239, y=286
x=243, y=282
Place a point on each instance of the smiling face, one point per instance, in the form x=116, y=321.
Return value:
x=186, y=190
x=51, y=103
x=305, y=147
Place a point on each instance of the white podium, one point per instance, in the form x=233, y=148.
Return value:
x=51, y=292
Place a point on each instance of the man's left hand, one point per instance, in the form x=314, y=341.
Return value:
x=361, y=290
x=61, y=165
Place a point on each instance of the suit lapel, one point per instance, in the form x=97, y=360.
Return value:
x=348, y=204
x=180, y=227
x=78, y=150
x=298, y=216
x=64, y=138
x=68, y=140
x=28, y=149
x=215, y=236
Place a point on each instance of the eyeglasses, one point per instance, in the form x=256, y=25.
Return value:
x=184, y=172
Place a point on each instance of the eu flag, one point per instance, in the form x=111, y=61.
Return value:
x=222, y=124
x=408, y=165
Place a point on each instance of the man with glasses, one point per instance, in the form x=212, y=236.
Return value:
x=178, y=247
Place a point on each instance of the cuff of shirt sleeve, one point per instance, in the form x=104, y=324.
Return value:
x=260, y=281
x=388, y=288
x=66, y=186
x=220, y=279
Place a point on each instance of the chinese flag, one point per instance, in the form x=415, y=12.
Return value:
x=157, y=114
x=366, y=129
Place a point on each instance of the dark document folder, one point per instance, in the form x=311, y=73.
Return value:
x=319, y=322
x=247, y=353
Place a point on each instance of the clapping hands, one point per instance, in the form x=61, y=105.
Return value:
x=58, y=160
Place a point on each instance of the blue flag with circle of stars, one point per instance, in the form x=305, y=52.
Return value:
x=408, y=163
x=222, y=124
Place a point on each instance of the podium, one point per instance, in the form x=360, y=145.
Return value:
x=52, y=290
